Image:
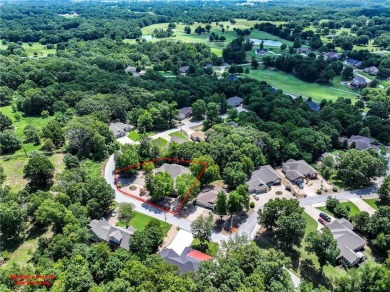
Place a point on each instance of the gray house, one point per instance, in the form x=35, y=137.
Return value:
x=184, y=69
x=362, y=143
x=188, y=261
x=262, y=178
x=358, y=82
x=297, y=171
x=234, y=101
x=120, y=129
x=207, y=199
x=371, y=70
x=185, y=112
x=349, y=243
x=115, y=236
x=173, y=169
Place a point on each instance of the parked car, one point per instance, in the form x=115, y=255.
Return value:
x=255, y=197
x=114, y=213
x=325, y=217
x=322, y=221
x=300, y=185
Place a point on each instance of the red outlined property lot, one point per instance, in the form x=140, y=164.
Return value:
x=175, y=160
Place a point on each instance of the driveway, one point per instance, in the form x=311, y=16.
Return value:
x=363, y=206
x=315, y=214
x=182, y=240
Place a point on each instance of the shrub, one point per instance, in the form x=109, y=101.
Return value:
x=252, y=205
x=278, y=193
x=319, y=192
x=335, y=189
x=120, y=185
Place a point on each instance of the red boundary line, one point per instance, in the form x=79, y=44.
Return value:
x=176, y=211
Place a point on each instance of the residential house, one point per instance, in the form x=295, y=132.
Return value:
x=233, y=124
x=349, y=243
x=261, y=51
x=298, y=170
x=371, y=70
x=184, y=69
x=198, y=136
x=207, y=199
x=331, y=56
x=115, y=236
x=188, y=261
x=185, y=112
x=233, y=77
x=303, y=50
x=234, y=101
x=263, y=178
x=314, y=106
x=173, y=169
x=120, y=129
x=353, y=62
x=358, y=82
x=361, y=143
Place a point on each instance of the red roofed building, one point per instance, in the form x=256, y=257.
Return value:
x=199, y=255
x=188, y=261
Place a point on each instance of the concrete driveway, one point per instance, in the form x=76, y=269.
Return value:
x=315, y=214
x=181, y=241
x=363, y=206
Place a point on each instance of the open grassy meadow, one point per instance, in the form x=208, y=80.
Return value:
x=293, y=85
x=35, y=47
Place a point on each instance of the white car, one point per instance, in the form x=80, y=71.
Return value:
x=114, y=213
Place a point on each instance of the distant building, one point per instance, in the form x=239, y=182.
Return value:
x=173, y=169
x=198, y=136
x=349, y=243
x=371, y=70
x=185, y=112
x=314, y=106
x=234, y=101
x=331, y=56
x=298, y=170
x=358, y=82
x=303, y=50
x=263, y=178
x=353, y=62
x=115, y=236
x=261, y=51
x=184, y=69
x=188, y=261
x=361, y=142
x=120, y=129
x=233, y=124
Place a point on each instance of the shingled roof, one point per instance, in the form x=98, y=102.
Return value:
x=262, y=178
x=173, y=169
x=297, y=168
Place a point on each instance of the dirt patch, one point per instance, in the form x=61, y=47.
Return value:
x=132, y=188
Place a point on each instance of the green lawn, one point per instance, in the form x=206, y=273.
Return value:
x=35, y=47
x=139, y=222
x=135, y=136
x=354, y=210
x=375, y=203
x=210, y=249
x=291, y=84
x=179, y=134
x=160, y=143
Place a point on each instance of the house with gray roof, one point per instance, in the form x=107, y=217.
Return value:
x=362, y=143
x=331, y=56
x=188, y=261
x=371, y=70
x=198, y=136
x=234, y=101
x=207, y=199
x=358, y=82
x=115, y=236
x=185, y=112
x=298, y=170
x=120, y=129
x=263, y=178
x=184, y=69
x=173, y=169
x=349, y=243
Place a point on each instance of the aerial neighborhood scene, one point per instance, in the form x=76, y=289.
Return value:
x=232, y=145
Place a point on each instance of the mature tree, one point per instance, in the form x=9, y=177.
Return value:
x=254, y=63
x=125, y=214
x=212, y=115
x=291, y=229
x=148, y=167
x=6, y=94
x=361, y=221
x=9, y=142
x=234, y=175
x=221, y=205
x=198, y=109
x=145, y=121
x=187, y=184
x=357, y=168
x=5, y=122
x=127, y=159
x=247, y=165
x=159, y=185
x=39, y=171
x=71, y=161
x=202, y=228
x=347, y=73
x=384, y=189
x=275, y=208
x=380, y=228
x=51, y=212
x=54, y=131
x=3, y=176
x=212, y=170
x=13, y=218
x=32, y=135
x=232, y=113
x=323, y=245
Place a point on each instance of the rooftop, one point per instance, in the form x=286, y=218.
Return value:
x=234, y=101
x=174, y=169
x=361, y=142
x=297, y=168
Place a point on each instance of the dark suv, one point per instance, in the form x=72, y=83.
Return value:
x=325, y=217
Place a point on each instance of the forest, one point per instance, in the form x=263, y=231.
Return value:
x=55, y=139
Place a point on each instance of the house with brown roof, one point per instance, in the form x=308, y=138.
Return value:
x=349, y=243
x=262, y=179
x=198, y=136
x=115, y=236
x=298, y=170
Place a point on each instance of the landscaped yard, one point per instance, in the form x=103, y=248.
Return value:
x=179, y=135
x=139, y=222
x=354, y=210
x=211, y=247
x=375, y=203
x=160, y=143
x=293, y=85
x=135, y=136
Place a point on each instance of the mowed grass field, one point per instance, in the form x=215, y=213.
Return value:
x=291, y=84
x=35, y=47
x=354, y=210
x=139, y=222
